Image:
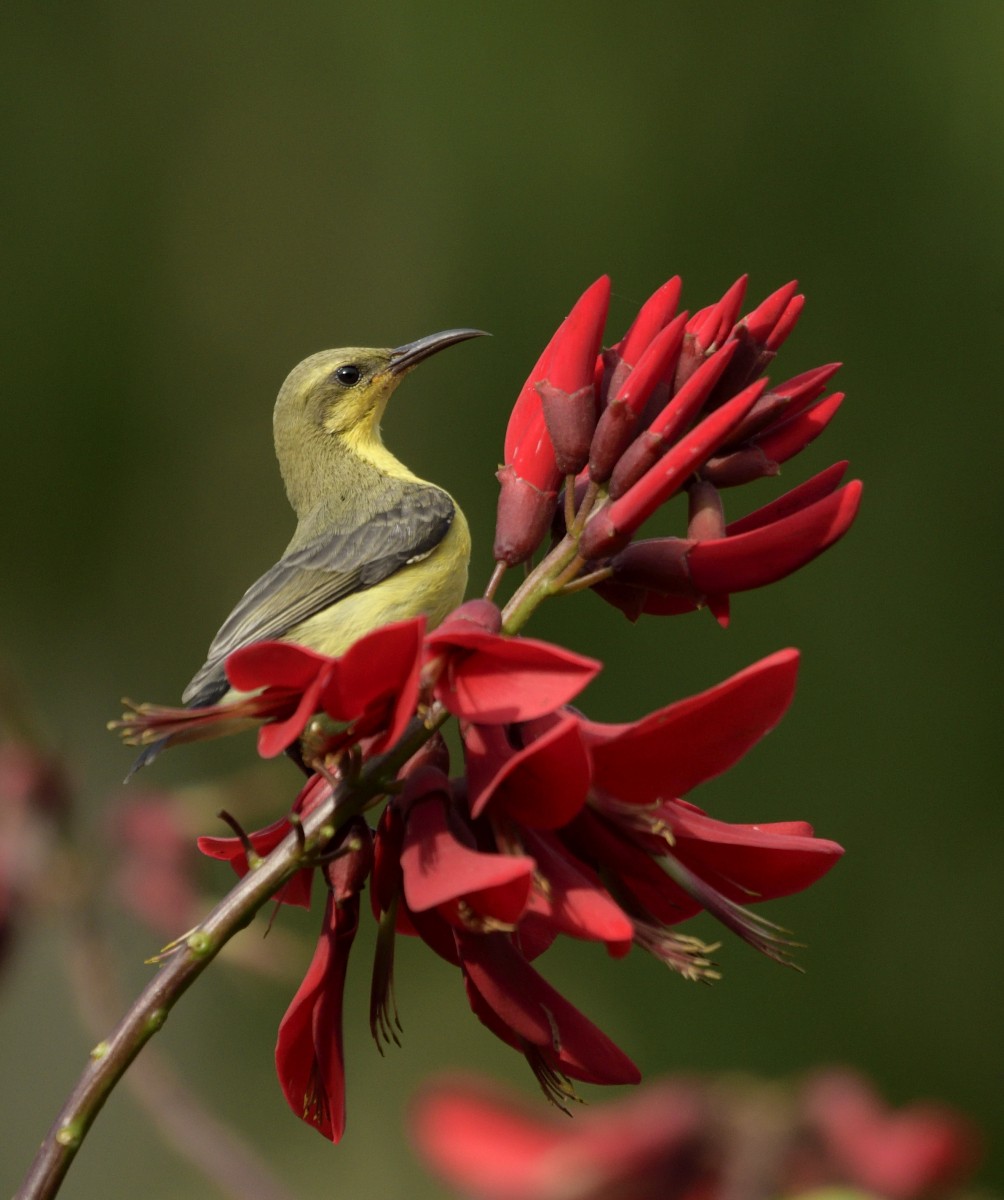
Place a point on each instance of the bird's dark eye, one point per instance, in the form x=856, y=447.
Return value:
x=348, y=375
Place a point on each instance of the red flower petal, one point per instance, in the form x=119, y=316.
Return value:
x=669, y=752
x=527, y=1011
x=497, y=680
x=309, y=1055
x=376, y=682
x=543, y=785
x=278, y=735
x=816, y=488
x=749, y=862
x=575, y=901
x=439, y=869
x=274, y=664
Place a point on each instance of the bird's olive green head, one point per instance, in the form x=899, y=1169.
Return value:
x=333, y=402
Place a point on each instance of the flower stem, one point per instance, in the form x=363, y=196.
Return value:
x=538, y=585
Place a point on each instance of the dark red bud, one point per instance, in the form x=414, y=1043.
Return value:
x=659, y=564
x=678, y=414
x=571, y=421
x=706, y=514
x=610, y=530
x=474, y=614
x=739, y=467
x=523, y=517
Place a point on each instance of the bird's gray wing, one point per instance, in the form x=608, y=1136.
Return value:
x=320, y=574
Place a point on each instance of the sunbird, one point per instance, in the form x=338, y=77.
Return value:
x=373, y=542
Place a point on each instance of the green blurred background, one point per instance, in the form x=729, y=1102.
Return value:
x=199, y=195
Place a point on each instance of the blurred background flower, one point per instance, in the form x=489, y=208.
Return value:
x=198, y=196
x=681, y=1138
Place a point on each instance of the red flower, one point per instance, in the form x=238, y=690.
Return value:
x=520, y=1007
x=691, y=1139
x=309, y=1055
x=372, y=688
x=493, y=679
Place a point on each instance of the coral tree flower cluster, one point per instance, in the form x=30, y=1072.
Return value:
x=679, y=405
x=557, y=826
x=553, y=825
x=688, y=1139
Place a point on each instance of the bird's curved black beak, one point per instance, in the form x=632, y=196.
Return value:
x=403, y=358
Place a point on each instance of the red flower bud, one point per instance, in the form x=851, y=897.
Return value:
x=782, y=442
x=611, y=529
x=647, y=448
x=568, y=394
x=620, y=418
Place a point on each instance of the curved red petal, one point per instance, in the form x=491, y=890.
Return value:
x=309, y=1055
x=505, y=679
x=770, y=552
x=543, y=785
x=673, y=750
x=532, y=1011
x=437, y=867
x=273, y=664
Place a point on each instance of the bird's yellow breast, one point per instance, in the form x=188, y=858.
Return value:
x=431, y=587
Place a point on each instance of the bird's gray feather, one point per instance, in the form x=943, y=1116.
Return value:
x=317, y=575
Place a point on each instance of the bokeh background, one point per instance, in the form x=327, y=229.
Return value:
x=199, y=195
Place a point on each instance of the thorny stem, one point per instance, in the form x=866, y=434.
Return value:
x=111, y=1057
x=194, y=1132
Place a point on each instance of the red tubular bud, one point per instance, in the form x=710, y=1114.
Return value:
x=707, y=330
x=527, y=407
x=767, y=553
x=787, y=322
x=768, y=410
x=523, y=518
x=619, y=419
x=653, y=316
x=707, y=516
x=611, y=528
x=568, y=393
x=785, y=441
x=807, y=493
x=761, y=321
x=645, y=451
